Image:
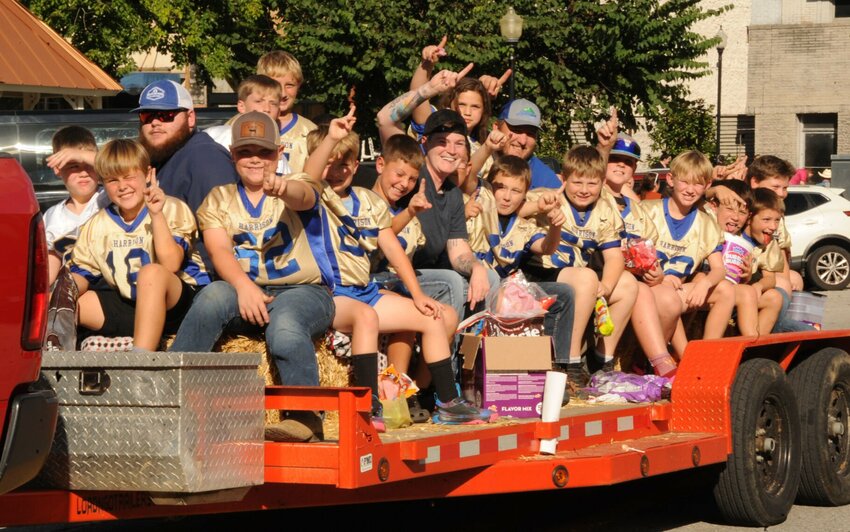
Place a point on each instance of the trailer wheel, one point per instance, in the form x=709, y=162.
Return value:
x=759, y=483
x=822, y=386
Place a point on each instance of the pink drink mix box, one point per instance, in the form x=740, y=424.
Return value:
x=737, y=257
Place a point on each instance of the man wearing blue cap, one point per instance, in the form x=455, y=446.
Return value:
x=189, y=163
x=520, y=122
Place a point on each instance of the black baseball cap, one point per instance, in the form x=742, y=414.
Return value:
x=445, y=121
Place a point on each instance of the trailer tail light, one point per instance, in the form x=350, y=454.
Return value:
x=35, y=311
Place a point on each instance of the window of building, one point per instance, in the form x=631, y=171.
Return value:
x=818, y=139
x=842, y=8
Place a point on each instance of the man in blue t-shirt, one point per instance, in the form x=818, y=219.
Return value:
x=521, y=119
x=188, y=162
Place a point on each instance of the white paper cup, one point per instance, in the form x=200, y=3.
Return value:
x=553, y=395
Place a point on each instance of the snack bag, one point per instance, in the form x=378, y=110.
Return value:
x=393, y=390
x=639, y=255
x=516, y=298
x=602, y=318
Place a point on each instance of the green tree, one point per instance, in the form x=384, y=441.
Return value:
x=685, y=126
x=574, y=59
x=223, y=39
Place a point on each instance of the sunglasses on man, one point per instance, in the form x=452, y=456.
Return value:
x=146, y=117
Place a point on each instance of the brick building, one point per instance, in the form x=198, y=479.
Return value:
x=785, y=73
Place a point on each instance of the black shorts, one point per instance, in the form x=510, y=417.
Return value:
x=539, y=274
x=120, y=314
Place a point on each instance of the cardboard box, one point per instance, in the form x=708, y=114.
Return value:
x=506, y=372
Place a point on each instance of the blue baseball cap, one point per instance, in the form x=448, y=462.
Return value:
x=626, y=146
x=521, y=113
x=164, y=95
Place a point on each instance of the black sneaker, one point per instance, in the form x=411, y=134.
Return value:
x=577, y=376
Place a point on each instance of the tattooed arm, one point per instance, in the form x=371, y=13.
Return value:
x=392, y=115
x=464, y=262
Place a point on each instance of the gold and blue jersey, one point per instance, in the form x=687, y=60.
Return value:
x=684, y=244
x=411, y=238
x=782, y=236
x=273, y=244
x=352, y=235
x=483, y=229
x=636, y=222
x=115, y=250
x=293, y=138
x=598, y=229
x=767, y=258
x=514, y=245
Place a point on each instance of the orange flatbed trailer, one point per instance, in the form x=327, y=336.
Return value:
x=598, y=445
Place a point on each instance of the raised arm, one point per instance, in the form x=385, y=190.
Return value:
x=168, y=252
x=338, y=129
x=391, y=116
x=431, y=54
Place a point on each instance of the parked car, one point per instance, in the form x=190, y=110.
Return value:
x=25, y=136
x=818, y=220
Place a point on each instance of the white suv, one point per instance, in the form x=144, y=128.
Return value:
x=818, y=220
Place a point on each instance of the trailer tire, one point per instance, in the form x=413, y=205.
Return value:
x=758, y=485
x=822, y=386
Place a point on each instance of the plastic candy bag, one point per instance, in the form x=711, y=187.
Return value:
x=618, y=387
x=639, y=254
x=516, y=298
x=393, y=390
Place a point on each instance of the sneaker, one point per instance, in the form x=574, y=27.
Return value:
x=458, y=410
x=577, y=375
x=607, y=367
x=297, y=427
x=107, y=344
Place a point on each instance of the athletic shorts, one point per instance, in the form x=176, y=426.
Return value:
x=539, y=274
x=120, y=314
x=368, y=294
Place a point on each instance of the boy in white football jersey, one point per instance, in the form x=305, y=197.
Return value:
x=592, y=225
x=284, y=68
x=142, y=246
x=264, y=236
x=686, y=237
x=62, y=222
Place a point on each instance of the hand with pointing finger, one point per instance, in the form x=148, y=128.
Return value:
x=444, y=81
x=154, y=196
x=606, y=135
x=431, y=53
x=550, y=201
x=339, y=128
x=273, y=184
x=473, y=208
x=497, y=140
x=493, y=85
x=419, y=202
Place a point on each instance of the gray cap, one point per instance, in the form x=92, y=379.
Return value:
x=521, y=113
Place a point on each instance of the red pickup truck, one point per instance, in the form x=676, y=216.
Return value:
x=27, y=417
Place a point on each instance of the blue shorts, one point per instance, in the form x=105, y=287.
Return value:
x=368, y=294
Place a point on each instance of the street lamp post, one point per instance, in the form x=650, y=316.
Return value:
x=510, y=27
x=720, y=47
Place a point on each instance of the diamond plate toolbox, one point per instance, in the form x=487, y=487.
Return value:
x=160, y=422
